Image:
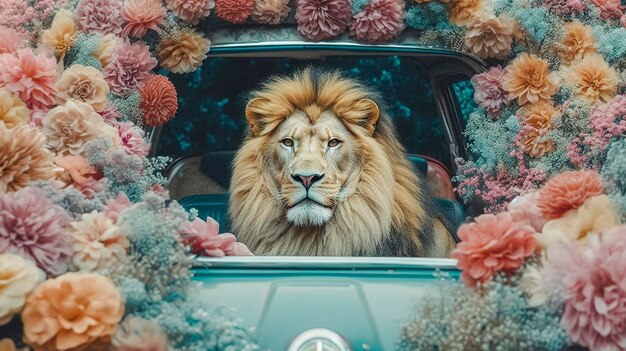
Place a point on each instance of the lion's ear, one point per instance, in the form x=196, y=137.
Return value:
x=372, y=113
x=254, y=114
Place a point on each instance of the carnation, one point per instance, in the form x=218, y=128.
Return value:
x=19, y=277
x=234, y=11
x=32, y=77
x=379, y=21
x=203, y=238
x=490, y=37
x=488, y=91
x=132, y=139
x=100, y=16
x=323, y=19
x=183, y=53
x=141, y=15
x=129, y=68
x=191, y=11
x=84, y=84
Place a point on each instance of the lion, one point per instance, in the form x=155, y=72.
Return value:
x=322, y=173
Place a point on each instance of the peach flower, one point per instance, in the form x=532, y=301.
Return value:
x=13, y=110
x=191, y=11
x=234, y=11
x=18, y=277
x=578, y=41
x=97, y=242
x=69, y=127
x=77, y=167
x=270, y=11
x=72, y=312
x=531, y=283
x=183, y=53
x=490, y=37
x=524, y=209
x=592, y=79
x=141, y=15
x=85, y=84
x=463, y=12
x=536, y=124
x=138, y=334
x=493, y=243
x=10, y=40
x=32, y=76
x=529, y=79
x=538, y=115
x=567, y=191
x=107, y=47
x=61, y=34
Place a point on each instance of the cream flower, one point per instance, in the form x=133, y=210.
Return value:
x=97, y=242
x=18, y=277
x=61, y=34
x=13, y=110
x=184, y=53
x=463, y=12
x=592, y=78
x=490, y=37
x=578, y=41
x=530, y=282
x=106, y=49
x=85, y=84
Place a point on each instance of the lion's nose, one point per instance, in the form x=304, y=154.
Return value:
x=307, y=180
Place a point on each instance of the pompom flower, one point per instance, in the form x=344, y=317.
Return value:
x=84, y=84
x=529, y=79
x=18, y=277
x=33, y=227
x=493, y=243
x=203, y=238
x=234, y=11
x=183, y=53
x=32, y=77
x=129, y=68
x=159, y=101
x=609, y=9
x=490, y=37
x=13, y=110
x=488, y=91
x=23, y=157
x=97, y=243
x=138, y=334
x=524, y=209
x=72, y=312
x=100, y=16
x=132, y=139
x=270, y=11
x=463, y=12
x=191, y=11
x=323, y=19
x=578, y=41
x=592, y=79
x=61, y=34
x=10, y=40
x=379, y=21
x=567, y=191
x=141, y=15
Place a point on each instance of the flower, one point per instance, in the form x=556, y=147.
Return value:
x=77, y=167
x=593, y=79
x=32, y=76
x=141, y=15
x=159, y=101
x=578, y=41
x=536, y=123
x=69, y=127
x=97, y=242
x=191, y=11
x=115, y=207
x=530, y=282
x=564, y=7
x=61, y=34
x=529, y=80
x=107, y=48
x=323, y=19
x=18, y=276
x=566, y=191
x=622, y=20
x=100, y=16
x=33, y=227
x=462, y=12
x=13, y=111
x=609, y=9
x=379, y=21
x=524, y=209
x=85, y=84
x=490, y=37
x=23, y=157
x=132, y=139
x=183, y=53
x=72, y=312
x=491, y=244
x=7, y=345
x=110, y=114
x=10, y=40
x=234, y=11
x=538, y=115
x=488, y=91
x=270, y=11
x=129, y=68
x=138, y=334
x=204, y=238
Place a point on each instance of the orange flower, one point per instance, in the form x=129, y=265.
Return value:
x=72, y=312
x=462, y=12
x=184, y=53
x=538, y=115
x=535, y=141
x=61, y=34
x=159, y=101
x=567, y=191
x=593, y=79
x=490, y=38
x=13, y=110
x=77, y=167
x=536, y=123
x=578, y=41
x=529, y=80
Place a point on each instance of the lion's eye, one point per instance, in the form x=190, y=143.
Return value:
x=333, y=142
x=287, y=142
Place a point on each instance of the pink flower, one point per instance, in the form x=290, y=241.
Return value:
x=10, y=40
x=234, y=11
x=488, y=91
x=609, y=9
x=323, y=19
x=132, y=139
x=567, y=191
x=524, y=209
x=31, y=226
x=78, y=168
x=191, y=11
x=129, y=68
x=115, y=207
x=100, y=16
x=593, y=281
x=32, y=77
x=141, y=15
x=110, y=114
x=379, y=21
x=493, y=243
x=564, y=7
x=203, y=238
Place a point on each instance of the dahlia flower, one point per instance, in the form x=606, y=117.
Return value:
x=529, y=80
x=159, y=101
x=115, y=207
x=33, y=227
x=234, y=11
x=77, y=167
x=493, y=243
x=535, y=141
x=323, y=19
x=578, y=41
x=10, y=40
x=566, y=191
x=32, y=77
x=379, y=21
x=524, y=209
x=490, y=37
x=100, y=16
x=537, y=115
x=488, y=91
x=72, y=312
x=592, y=78
x=23, y=157
x=129, y=68
x=97, y=243
x=132, y=139
x=106, y=49
x=19, y=277
x=84, y=84
x=462, y=12
x=183, y=53
x=609, y=9
x=191, y=11
x=138, y=334
x=203, y=238
x=141, y=15
x=270, y=11
x=13, y=111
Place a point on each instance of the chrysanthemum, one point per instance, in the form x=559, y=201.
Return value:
x=490, y=37
x=578, y=41
x=61, y=34
x=32, y=77
x=567, y=191
x=323, y=19
x=84, y=84
x=10, y=40
x=141, y=15
x=159, y=101
x=592, y=78
x=13, y=111
x=129, y=68
x=529, y=79
x=270, y=11
x=234, y=11
x=462, y=12
x=183, y=53
x=100, y=16
x=191, y=11
x=379, y=21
